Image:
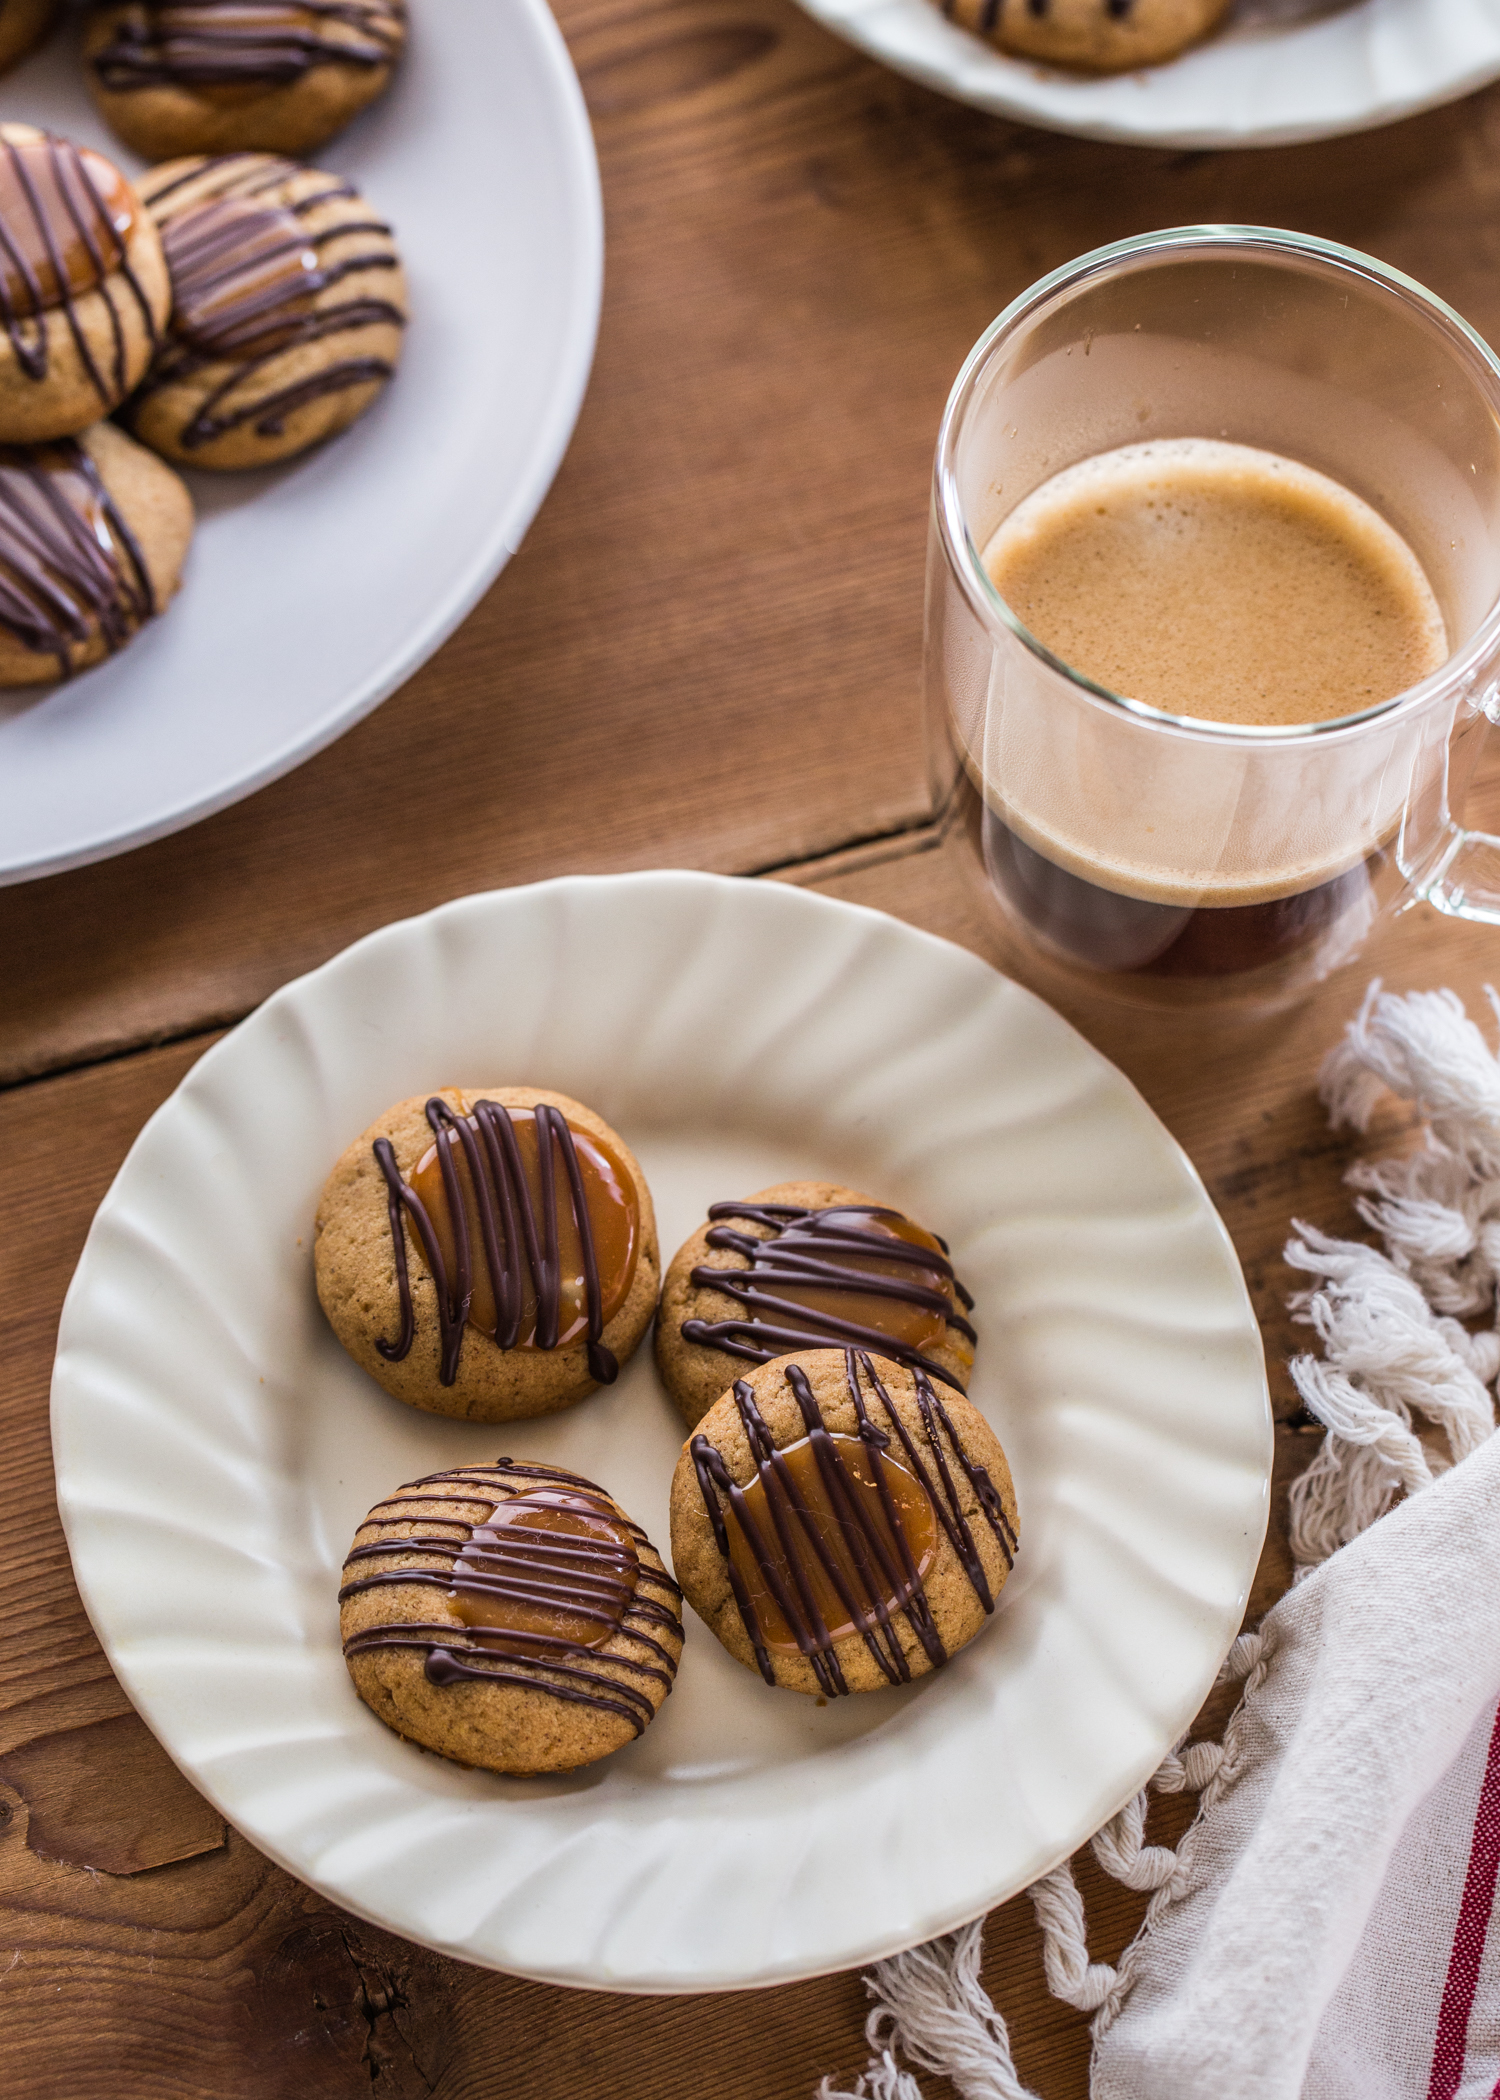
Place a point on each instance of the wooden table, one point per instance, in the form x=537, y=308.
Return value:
x=705, y=654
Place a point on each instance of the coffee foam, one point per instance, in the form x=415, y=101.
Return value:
x=1219, y=582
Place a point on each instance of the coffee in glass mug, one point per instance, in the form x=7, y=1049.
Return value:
x=1212, y=592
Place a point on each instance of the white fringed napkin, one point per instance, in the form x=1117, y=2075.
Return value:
x=1322, y=1930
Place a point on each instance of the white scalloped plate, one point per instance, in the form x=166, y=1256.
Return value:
x=1283, y=70
x=215, y=1449
x=313, y=590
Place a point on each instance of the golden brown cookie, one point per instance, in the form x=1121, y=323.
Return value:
x=93, y=535
x=841, y=1523
x=1096, y=36
x=806, y=1264
x=23, y=24
x=85, y=286
x=509, y=1616
x=212, y=76
x=289, y=304
x=488, y=1253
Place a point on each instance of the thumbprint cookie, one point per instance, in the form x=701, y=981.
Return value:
x=210, y=76
x=509, y=1616
x=842, y=1523
x=807, y=1265
x=83, y=286
x=488, y=1254
x=288, y=306
x=93, y=535
x=1096, y=36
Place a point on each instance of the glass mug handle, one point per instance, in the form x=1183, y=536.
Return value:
x=1462, y=878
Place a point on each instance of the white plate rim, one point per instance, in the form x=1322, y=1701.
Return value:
x=1155, y=107
x=100, y=1608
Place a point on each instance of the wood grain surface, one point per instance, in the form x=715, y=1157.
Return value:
x=705, y=654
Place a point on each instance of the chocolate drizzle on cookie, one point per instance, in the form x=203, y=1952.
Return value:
x=65, y=219
x=851, y=1519
x=248, y=283
x=70, y=567
x=233, y=43
x=545, y=1574
x=991, y=11
x=854, y=1272
x=482, y=1187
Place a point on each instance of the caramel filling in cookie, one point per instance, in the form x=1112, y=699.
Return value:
x=552, y=1564
x=813, y=1525
x=857, y=1273
x=228, y=44
x=70, y=567
x=529, y=1229
x=65, y=216
x=861, y=1527
x=550, y=1620
x=244, y=277
x=569, y=1246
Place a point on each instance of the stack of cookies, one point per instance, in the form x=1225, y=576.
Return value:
x=842, y=1516
x=227, y=310
x=93, y=528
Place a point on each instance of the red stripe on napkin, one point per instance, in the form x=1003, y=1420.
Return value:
x=1469, y=1935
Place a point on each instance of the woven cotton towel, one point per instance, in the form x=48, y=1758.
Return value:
x=1309, y=1951
x=1324, y=1928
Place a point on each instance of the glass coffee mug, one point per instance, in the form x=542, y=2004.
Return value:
x=1167, y=858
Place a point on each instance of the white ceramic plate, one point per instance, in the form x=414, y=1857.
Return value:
x=1282, y=70
x=215, y=1449
x=314, y=589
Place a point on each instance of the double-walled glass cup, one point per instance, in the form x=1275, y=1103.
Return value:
x=1168, y=858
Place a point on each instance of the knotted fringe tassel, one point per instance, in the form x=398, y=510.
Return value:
x=932, y=2003
x=1393, y=1350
